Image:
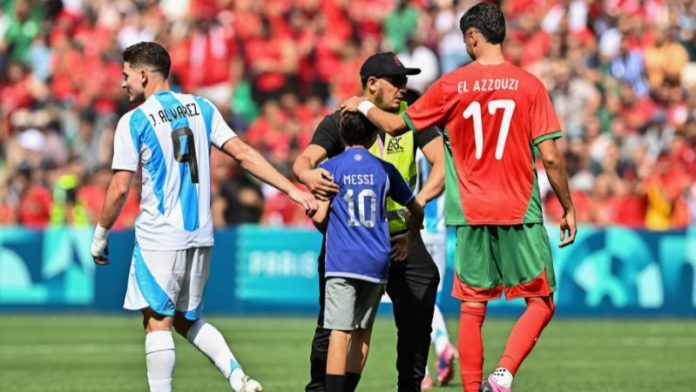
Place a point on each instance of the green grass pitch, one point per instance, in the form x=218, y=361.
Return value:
x=105, y=353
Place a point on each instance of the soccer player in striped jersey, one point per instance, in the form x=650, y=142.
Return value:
x=168, y=137
x=493, y=116
x=434, y=234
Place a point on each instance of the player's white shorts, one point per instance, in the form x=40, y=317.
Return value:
x=436, y=244
x=168, y=280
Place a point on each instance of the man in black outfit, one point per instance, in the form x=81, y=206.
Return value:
x=413, y=276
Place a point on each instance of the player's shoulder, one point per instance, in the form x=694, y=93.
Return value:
x=187, y=99
x=526, y=78
x=197, y=98
x=207, y=106
x=461, y=72
x=130, y=117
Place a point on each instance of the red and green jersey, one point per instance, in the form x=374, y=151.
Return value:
x=491, y=116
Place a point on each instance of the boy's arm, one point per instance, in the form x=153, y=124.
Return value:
x=321, y=217
x=414, y=221
x=402, y=194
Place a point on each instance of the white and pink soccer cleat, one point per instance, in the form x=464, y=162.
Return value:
x=445, y=365
x=427, y=383
x=490, y=385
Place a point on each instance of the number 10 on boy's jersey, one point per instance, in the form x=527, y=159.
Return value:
x=364, y=219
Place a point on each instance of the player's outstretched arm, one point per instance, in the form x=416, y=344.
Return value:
x=318, y=180
x=555, y=171
x=433, y=187
x=254, y=163
x=116, y=196
x=391, y=123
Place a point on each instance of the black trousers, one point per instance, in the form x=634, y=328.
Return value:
x=412, y=287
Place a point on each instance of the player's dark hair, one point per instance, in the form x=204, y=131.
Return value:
x=148, y=54
x=486, y=18
x=356, y=130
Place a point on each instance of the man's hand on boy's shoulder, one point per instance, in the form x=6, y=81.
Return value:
x=319, y=181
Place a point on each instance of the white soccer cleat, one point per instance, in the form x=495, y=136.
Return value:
x=250, y=385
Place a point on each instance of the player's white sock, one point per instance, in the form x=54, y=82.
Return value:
x=439, y=334
x=160, y=358
x=210, y=342
x=503, y=377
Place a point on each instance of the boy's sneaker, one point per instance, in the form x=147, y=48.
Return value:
x=250, y=385
x=445, y=365
x=427, y=383
x=489, y=385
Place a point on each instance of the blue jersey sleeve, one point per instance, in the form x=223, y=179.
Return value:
x=398, y=188
x=329, y=166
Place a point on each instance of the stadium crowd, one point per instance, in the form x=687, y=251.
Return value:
x=621, y=74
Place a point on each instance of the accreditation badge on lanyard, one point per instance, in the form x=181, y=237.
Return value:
x=380, y=138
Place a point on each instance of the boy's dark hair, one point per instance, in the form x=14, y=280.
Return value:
x=148, y=54
x=355, y=129
x=486, y=18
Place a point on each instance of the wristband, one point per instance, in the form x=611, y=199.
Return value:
x=100, y=232
x=365, y=107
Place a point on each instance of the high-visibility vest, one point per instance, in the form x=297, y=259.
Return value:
x=400, y=151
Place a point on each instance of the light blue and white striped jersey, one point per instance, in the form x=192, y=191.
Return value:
x=169, y=136
x=434, y=219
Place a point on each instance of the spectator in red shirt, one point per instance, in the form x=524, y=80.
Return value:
x=19, y=91
x=268, y=133
x=34, y=200
x=535, y=43
x=272, y=61
x=210, y=47
x=629, y=206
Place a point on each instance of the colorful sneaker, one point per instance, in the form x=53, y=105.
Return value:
x=250, y=385
x=489, y=385
x=427, y=383
x=445, y=365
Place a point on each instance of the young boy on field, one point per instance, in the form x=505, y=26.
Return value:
x=357, y=247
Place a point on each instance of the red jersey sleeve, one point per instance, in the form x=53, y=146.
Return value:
x=428, y=110
x=544, y=122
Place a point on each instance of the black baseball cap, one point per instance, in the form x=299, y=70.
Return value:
x=385, y=64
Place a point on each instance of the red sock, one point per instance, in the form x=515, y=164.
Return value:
x=471, y=346
x=526, y=332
